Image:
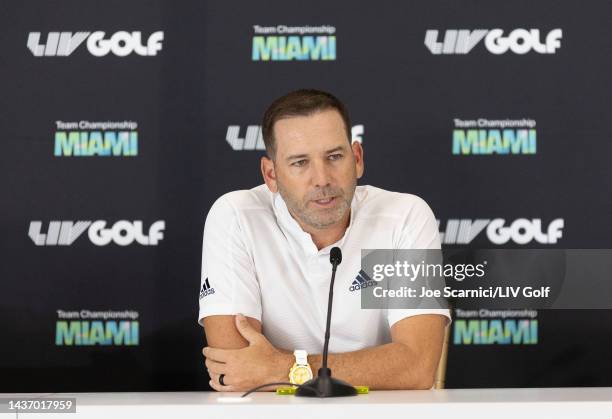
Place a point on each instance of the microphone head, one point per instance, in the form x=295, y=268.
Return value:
x=335, y=256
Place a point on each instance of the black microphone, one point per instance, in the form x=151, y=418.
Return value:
x=335, y=257
x=324, y=385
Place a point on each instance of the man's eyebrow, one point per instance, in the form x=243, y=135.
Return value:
x=296, y=156
x=333, y=150
x=302, y=156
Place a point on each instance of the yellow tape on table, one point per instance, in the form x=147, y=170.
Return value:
x=289, y=391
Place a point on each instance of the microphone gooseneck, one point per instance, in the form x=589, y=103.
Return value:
x=335, y=258
x=324, y=385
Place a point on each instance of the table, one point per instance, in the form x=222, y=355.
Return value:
x=527, y=403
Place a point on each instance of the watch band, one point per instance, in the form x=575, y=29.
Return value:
x=301, y=357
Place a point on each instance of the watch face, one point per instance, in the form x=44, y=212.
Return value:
x=300, y=374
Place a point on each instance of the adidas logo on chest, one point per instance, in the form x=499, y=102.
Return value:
x=361, y=281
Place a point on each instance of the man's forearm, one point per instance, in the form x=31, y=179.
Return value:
x=385, y=367
x=395, y=365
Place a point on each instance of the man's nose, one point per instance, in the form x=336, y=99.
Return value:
x=321, y=175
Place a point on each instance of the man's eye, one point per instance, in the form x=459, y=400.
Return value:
x=299, y=163
x=336, y=156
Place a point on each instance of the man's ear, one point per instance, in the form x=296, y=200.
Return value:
x=358, y=153
x=268, y=173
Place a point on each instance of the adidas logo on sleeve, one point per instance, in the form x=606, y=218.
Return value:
x=206, y=289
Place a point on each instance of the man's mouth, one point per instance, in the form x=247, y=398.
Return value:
x=325, y=202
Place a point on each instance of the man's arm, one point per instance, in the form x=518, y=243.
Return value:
x=233, y=338
x=221, y=332
x=409, y=362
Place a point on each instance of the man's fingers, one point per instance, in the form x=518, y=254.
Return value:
x=214, y=377
x=246, y=330
x=214, y=383
x=219, y=355
x=216, y=367
x=219, y=387
x=227, y=379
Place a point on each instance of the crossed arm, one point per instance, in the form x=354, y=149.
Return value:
x=238, y=349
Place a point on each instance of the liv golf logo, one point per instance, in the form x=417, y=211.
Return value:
x=86, y=139
x=500, y=231
x=122, y=233
x=122, y=43
x=294, y=43
x=519, y=41
x=253, y=140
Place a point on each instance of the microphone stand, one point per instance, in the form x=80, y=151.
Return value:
x=324, y=385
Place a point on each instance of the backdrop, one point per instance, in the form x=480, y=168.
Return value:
x=123, y=121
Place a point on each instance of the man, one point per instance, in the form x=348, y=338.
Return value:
x=266, y=269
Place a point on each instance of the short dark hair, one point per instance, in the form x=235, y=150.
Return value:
x=303, y=102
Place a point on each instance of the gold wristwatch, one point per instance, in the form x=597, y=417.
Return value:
x=300, y=372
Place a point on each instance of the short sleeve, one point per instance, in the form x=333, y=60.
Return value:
x=228, y=284
x=420, y=231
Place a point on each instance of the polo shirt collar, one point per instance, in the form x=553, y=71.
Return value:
x=292, y=227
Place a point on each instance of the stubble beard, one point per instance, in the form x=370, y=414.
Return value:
x=318, y=218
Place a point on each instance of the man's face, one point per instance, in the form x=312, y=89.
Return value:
x=315, y=168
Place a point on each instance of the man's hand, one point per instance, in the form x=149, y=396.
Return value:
x=257, y=364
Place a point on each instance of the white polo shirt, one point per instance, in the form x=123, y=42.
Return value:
x=257, y=260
